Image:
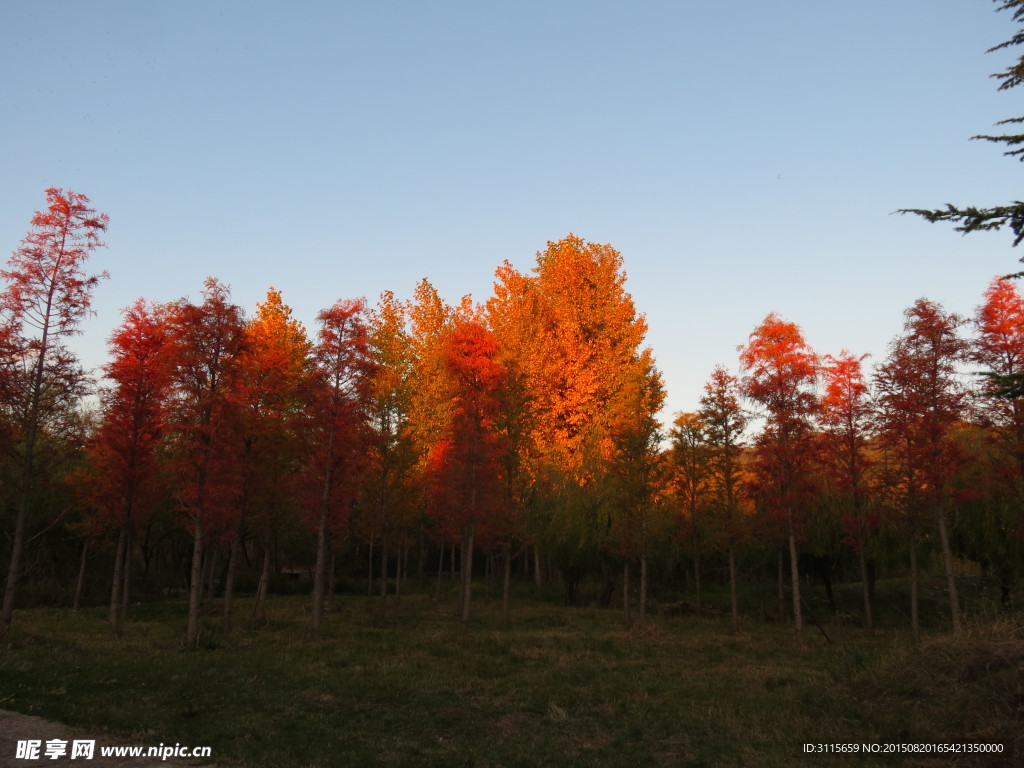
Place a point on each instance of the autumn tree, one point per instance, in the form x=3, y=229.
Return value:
x=691, y=457
x=577, y=336
x=47, y=295
x=336, y=429
x=780, y=373
x=724, y=421
x=999, y=349
x=467, y=488
x=207, y=340
x=508, y=317
x=123, y=452
x=635, y=475
x=920, y=401
x=268, y=391
x=430, y=398
x=390, y=501
x=846, y=416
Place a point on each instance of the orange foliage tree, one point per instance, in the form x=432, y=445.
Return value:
x=575, y=335
x=390, y=500
x=273, y=370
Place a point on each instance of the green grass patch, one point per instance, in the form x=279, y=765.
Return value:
x=561, y=687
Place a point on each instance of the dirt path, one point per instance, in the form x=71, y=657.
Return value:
x=15, y=727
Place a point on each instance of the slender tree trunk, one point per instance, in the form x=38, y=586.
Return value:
x=467, y=573
x=421, y=555
x=210, y=575
x=331, y=570
x=506, y=587
x=947, y=563
x=369, y=571
x=869, y=623
x=451, y=573
x=626, y=610
x=399, y=573
x=259, y=609
x=13, y=572
x=229, y=585
x=537, y=581
x=27, y=473
x=915, y=625
x=440, y=572
x=114, y=615
x=643, y=586
x=782, y=587
x=319, y=573
x=696, y=577
x=14, y=569
x=794, y=567
x=80, y=582
x=195, y=587
x=382, y=615
x=734, y=603
x=126, y=578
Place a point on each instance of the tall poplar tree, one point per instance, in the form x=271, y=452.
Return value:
x=577, y=336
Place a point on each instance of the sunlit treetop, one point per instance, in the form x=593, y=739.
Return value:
x=47, y=283
x=780, y=369
x=1000, y=343
x=845, y=405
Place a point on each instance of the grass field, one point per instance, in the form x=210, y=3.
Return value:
x=561, y=687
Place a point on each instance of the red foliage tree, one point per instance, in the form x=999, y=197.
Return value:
x=48, y=293
x=723, y=421
x=123, y=450
x=846, y=415
x=920, y=400
x=336, y=429
x=207, y=340
x=468, y=493
x=780, y=372
x=999, y=347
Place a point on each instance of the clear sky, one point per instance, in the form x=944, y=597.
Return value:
x=744, y=157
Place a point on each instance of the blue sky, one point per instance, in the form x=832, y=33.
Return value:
x=744, y=157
